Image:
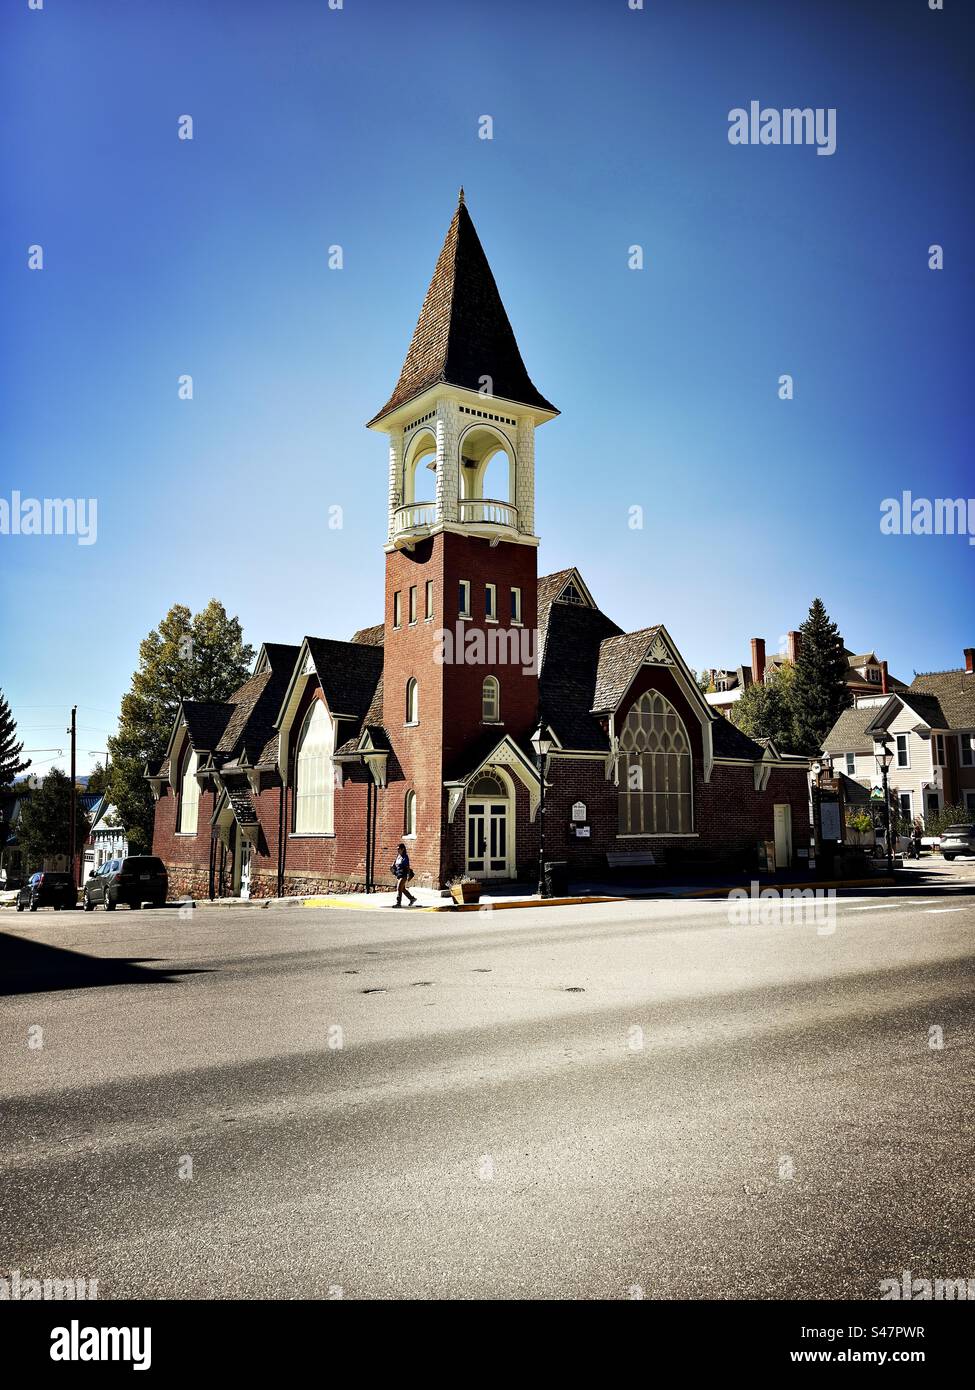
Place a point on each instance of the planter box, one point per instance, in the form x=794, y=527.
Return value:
x=465, y=893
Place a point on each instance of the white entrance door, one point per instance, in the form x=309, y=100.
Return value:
x=487, y=839
x=245, y=868
x=783, y=836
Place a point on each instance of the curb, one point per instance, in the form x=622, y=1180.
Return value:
x=487, y=906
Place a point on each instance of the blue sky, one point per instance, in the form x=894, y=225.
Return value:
x=314, y=127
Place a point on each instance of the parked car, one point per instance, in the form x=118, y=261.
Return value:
x=958, y=839
x=141, y=878
x=48, y=890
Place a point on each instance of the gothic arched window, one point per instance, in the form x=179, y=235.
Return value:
x=189, y=796
x=409, y=815
x=314, y=784
x=412, y=701
x=655, y=770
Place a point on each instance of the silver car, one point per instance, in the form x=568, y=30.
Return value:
x=958, y=839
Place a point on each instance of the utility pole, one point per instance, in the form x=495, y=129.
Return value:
x=73, y=811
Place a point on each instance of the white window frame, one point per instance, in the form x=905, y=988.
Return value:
x=516, y=606
x=397, y=609
x=314, y=810
x=490, y=603
x=851, y=764
x=638, y=802
x=905, y=765
x=464, y=598
x=409, y=816
x=965, y=745
x=428, y=601
x=938, y=751
x=411, y=608
x=910, y=800
x=412, y=703
x=490, y=702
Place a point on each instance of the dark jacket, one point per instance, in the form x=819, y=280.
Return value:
x=401, y=866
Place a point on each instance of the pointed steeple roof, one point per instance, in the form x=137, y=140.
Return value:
x=463, y=332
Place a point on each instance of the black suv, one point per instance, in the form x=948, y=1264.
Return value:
x=140, y=879
x=48, y=890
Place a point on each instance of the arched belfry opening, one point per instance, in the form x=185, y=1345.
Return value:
x=487, y=480
x=420, y=468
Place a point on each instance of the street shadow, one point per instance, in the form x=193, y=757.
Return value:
x=34, y=967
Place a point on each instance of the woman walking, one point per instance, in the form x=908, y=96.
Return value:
x=402, y=873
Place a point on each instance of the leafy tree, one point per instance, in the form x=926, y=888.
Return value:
x=704, y=683
x=764, y=710
x=937, y=824
x=11, y=765
x=819, y=692
x=44, y=826
x=98, y=779
x=201, y=657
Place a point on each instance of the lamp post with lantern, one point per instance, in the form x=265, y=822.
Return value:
x=885, y=756
x=542, y=743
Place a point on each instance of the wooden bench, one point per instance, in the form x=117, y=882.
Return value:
x=631, y=859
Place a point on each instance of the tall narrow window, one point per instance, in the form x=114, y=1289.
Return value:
x=189, y=796
x=516, y=605
x=412, y=603
x=490, y=602
x=412, y=701
x=397, y=609
x=490, y=700
x=409, y=816
x=464, y=599
x=655, y=770
x=903, y=751
x=313, y=773
x=429, y=599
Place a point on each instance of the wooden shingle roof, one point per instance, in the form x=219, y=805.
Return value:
x=463, y=333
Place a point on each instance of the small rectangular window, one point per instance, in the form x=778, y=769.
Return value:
x=397, y=609
x=516, y=605
x=464, y=599
x=903, y=752
x=966, y=750
x=938, y=750
x=429, y=599
x=490, y=602
x=412, y=604
x=851, y=765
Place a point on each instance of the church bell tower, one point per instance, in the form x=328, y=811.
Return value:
x=461, y=572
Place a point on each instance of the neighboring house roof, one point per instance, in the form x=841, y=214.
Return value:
x=371, y=636
x=463, y=333
x=849, y=733
x=854, y=793
x=955, y=693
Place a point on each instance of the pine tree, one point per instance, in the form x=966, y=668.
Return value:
x=201, y=657
x=819, y=692
x=10, y=750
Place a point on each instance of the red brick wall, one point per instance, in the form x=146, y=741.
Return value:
x=449, y=693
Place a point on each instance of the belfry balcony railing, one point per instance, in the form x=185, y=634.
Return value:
x=415, y=516
x=487, y=509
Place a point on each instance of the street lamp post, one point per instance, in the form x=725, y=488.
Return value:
x=885, y=756
x=542, y=744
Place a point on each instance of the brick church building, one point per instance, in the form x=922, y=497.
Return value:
x=419, y=729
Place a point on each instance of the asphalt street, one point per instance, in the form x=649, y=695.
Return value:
x=575, y=1102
